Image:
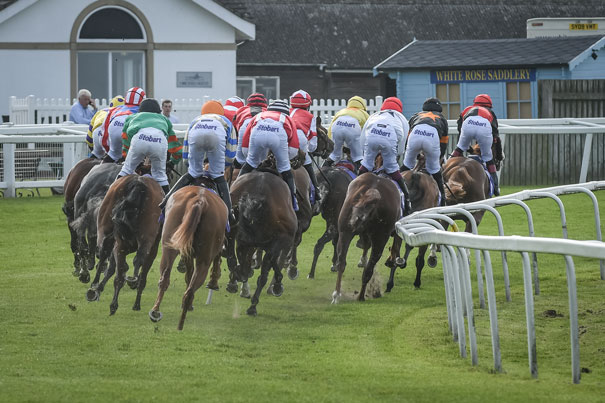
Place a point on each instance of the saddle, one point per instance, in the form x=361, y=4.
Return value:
x=348, y=167
x=206, y=182
x=382, y=174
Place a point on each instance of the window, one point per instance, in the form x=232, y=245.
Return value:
x=111, y=23
x=268, y=86
x=518, y=100
x=107, y=74
x=449, y=95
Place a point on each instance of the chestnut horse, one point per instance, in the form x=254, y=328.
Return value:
x=195, y=224
x=265, y=220
x=70, y=188
x=129, y=222
x=370, y=210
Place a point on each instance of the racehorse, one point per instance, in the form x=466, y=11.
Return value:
x=370, y=209
x=303, y=217
x=129, y=222
x=88, y=199
x=194, y=226
x=424, y=193
x=265, y=220
x=70, y=188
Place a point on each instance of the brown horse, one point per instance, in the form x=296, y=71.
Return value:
x=303, y=217
x=129, y=222
x=370, y=210
x=266, y=220
x=195, y=224
x=70, y=188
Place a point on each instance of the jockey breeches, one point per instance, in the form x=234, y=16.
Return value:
x=423, y=138
x=263, y=141
x=241, y=154
x=346, y=130
x=480, y=129
x=210, y=144
x=387, y=147
x=97, y=147
x=303, y=144
x=115, y=136
x=148, y=142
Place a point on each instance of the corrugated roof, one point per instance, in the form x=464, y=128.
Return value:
x=489, y=52
x=355, y=34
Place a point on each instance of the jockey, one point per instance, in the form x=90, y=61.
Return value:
x=209, y=135
x=149, y=134
x=272, y=130
x=306, y=128
x=255, y=104
x=346, y=128
x=231, y=106
x=479, y=122
x=428, y=134
x=113, y=124
x=94, y=136
x=384, y=134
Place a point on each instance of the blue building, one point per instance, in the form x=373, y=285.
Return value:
x=517, y=73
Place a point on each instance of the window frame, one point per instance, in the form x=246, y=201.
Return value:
x=446, y=104
x=519, y=101
x=110, y=41
x=254, y=78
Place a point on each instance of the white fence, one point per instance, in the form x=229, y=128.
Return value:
x=32, y=110
x=423, y=228
x=60, y=146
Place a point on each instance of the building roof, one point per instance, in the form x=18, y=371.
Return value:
x=490, y=52
x=357, y=34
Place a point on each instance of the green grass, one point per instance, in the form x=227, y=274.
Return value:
x=299, y=348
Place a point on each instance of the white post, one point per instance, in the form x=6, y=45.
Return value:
x=68, y=158
x=30, y=109
x=586, y=157
x=8, y=152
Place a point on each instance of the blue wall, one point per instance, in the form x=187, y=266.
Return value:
x=589, y=68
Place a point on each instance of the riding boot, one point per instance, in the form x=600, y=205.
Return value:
x=309, y=169
x=403, y=168
x=107, y=158
x=289, y=179
x=236, y=164
x=166, y=188
x=404, y=188
x=357, y=165
x=118, y=177
x=327, y=163
x=457, y=153
x=439, y=179
x=491, y=168
x=245, y=169
x=362, y=170
x=223, y=191
x=182, y=182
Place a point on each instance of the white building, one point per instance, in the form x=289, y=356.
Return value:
x=173, y=49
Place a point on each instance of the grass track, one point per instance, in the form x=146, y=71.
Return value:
x=299, y=348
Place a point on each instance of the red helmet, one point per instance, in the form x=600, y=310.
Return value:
x=232, y=105
x=482, y=100
x=392, y=103
x=300, y=99
x=134, y=96
x=257, y=99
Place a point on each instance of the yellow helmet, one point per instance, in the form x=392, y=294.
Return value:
x=357, y=103
x=116, y=101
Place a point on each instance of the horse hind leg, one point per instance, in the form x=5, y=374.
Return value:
x=344, y=241
x=398, y=263
x=118, y=281
x=142, y=282
x=168, y=257
x=432, y=259
x=420, y=264
x=197, y=279
x=319, y=246
x=104, y=254
x=262, y=280
x=368, y=271
x=137, y=263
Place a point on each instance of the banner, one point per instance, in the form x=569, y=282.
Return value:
x=482, y=75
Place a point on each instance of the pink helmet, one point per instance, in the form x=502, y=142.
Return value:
x=231, y=106
x=483, y=100
x=134, y=96
x=300, y=99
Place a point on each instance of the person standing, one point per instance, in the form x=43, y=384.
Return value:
x=167, y=111
x=83, y=109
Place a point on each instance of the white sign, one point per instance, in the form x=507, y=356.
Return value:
x=194, y=79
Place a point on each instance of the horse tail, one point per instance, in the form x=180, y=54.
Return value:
x=182, y=239
x=364, y=210
x=455, y=187
x=125, y=214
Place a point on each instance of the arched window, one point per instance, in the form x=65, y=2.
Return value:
x=111, y=23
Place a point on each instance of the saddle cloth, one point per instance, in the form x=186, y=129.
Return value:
x=348, y=167
x=489, y=177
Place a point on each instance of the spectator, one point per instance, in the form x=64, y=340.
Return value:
x=84, y=109
x=167, y=111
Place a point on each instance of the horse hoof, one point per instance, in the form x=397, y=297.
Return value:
x=84, y=277
x=245, y=292
x=112, y=309
x=389, y=288
x=181, y=267
x=136, y=307
x=432, y=261
x=92, y=295
x=293, y=273
x=335, y=297
x=232, y=288
x=75, y=273
x=190, y=308
x=277, y=290
x=155, y=316
x=333, y=269
x=401, y=263
x=212, y=286
x=390, y=264
x=362, y=262
x=310, y=276
x=252, y=311
x=132, y=282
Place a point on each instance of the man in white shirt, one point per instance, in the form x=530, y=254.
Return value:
x=84, y=109
x=167, y=111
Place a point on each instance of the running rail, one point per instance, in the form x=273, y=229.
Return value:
x=425, y=227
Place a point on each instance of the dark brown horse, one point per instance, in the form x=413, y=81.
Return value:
x=194, y=226
x=370, y=210
x=129, y=222
x=70, y=188
x=265, y=220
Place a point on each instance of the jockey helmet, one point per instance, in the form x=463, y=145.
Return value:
x=393, y=104
x=357, y=103
x=432, y=104
x=300, y=99
x=213, y=107
x=256, y=99
x=116, y=101
x=279, y=106
x=231, y=106
x=482, y=100
x=134, y=96
x=150, y=105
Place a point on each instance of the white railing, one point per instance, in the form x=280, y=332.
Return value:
x=425, y=227
x=32, y=110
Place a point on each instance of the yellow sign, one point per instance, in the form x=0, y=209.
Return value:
x=583, y=27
